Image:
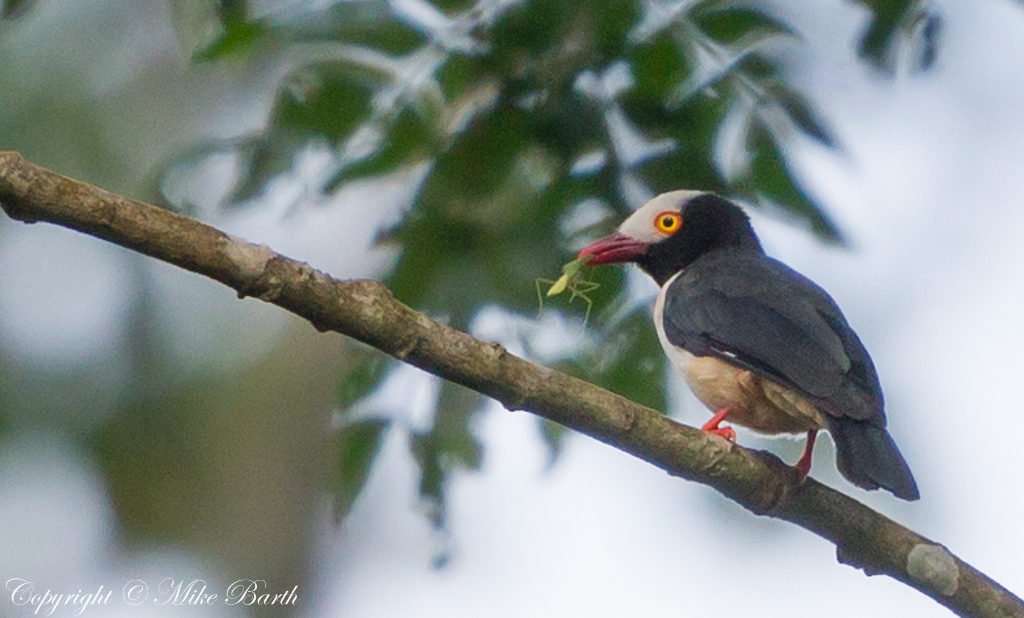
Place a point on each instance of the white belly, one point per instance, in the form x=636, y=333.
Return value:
x=680, y=358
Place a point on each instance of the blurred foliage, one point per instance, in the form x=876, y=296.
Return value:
x=448, y=443
x=361, y=381
x=896, y=24
x=209, y=29
x=9, y=9
x=527, y=117
x=357, y=445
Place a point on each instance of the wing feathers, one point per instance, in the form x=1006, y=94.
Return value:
x=757, y=313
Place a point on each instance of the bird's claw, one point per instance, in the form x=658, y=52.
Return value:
x=724, y=432
x=712, y=426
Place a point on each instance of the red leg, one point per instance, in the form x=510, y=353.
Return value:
x=804, y=465
x=712, y=426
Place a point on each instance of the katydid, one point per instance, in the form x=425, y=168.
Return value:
x=572, y=279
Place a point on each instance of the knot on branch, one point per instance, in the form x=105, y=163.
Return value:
x=16, y=187
x=784, y=480
x=935, y=566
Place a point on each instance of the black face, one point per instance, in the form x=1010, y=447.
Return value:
x=709, y=223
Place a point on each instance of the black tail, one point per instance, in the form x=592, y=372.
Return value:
x=867, y=456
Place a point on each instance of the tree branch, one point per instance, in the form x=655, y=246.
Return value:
x=366, y=310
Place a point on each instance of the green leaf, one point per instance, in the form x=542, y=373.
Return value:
x=181, y=164
x=658, y=69
x=877, y=41
x=322, y=101
x=451, y=7
x=541, y=47
x=629, y=361
x=427, y=453
x=636, y=364
x=263, y=158
x=892, y=23
x=362, y=380
x=448, y=445
x=237, y=40
x=529, y=31
x=410, y=139
x=612, y=20
x=358, y=445
x=759, y=67
x=695, y=127
x=197, y=23
x=367, y=23
x=802, y=114
x=461, y=74
x=739, y=25
x=554, y=436
x=233, y=11
x=772, y=179
x=456, y=406
x=12, y=9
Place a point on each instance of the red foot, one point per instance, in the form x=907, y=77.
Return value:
x=804, y=465
x=712, y=426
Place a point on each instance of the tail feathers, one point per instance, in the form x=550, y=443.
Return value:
x=868, y=457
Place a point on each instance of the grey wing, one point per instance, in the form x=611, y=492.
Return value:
x=765, y=317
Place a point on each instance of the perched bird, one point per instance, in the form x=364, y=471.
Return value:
x=759, y=344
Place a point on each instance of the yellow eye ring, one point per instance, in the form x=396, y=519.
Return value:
x=668, y=222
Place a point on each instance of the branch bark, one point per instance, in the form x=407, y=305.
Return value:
x=366, y=311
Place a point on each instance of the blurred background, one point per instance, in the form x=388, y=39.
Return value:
x=154, y=426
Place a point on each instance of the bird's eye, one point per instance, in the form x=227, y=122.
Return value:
x=668, y=222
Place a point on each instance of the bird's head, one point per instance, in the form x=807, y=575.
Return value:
x=672, y=230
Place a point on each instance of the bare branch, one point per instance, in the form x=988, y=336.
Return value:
x=366, y=310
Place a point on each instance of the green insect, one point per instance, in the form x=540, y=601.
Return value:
x=572, y=279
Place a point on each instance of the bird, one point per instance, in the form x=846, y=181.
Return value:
x=759, y=344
